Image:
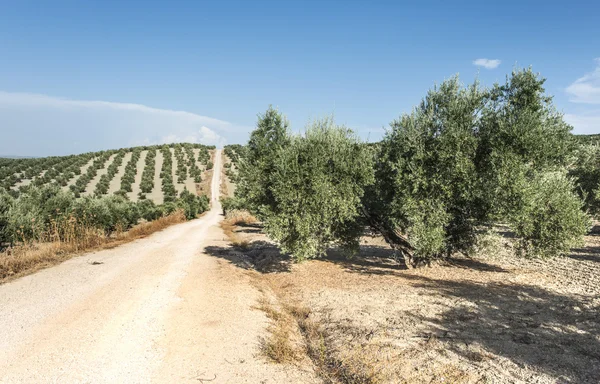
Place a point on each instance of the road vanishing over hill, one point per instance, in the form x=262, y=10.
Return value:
x=155, y=310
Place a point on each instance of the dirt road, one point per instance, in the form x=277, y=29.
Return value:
x=154, y=310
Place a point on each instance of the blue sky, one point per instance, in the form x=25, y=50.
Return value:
x=78, y=76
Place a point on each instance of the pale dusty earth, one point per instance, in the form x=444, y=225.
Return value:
x=91, y=186
x=75, y=177
x=495, y=318
x=157, y=195
x=135, y=187
x=115, y=183
x=157, y=310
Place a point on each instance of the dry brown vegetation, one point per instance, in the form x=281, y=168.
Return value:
x=495, y=318
x=230, y=223
x=203, y=188
x=24, y=259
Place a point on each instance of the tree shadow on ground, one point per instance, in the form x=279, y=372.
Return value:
x=535, y=328
x=372, y=259
x=555, y=334
x=381, y=260
x=586, y=254
x=262, y=256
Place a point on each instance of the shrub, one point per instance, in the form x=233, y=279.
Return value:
x=169, y=191
x=229, y=204
x=466, y=157
x=147, y=183
x=315, y=185
x=6, y=202
x=169, y=207
x=149, y=211
x=191, y=204
x=128, y=177
x=586, y=172
x=551, y=220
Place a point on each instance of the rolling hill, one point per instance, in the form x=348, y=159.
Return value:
x=158, y=173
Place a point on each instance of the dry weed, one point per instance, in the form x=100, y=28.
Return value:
x=23, y=259
x=279, y=345
x=232, y=220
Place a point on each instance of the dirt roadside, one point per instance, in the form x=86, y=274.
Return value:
x=492, y=319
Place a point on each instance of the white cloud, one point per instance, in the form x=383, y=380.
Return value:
x=586, y=123
x=41, y=125
x=32, y=99
x=487, y=63
x=586, y=89
x=204, y=135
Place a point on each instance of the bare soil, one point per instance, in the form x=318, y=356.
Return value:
x=89, y=189
x=157, y=194
x=115, y=183
x=75, y=177
x=491, y=319
x=135, y=187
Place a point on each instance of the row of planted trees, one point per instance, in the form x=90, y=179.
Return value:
x=17, y=175
x=49, y=213
x=465, y=159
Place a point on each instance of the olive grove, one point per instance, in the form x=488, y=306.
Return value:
x=465, y=159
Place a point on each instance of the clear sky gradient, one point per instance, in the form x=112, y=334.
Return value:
x=77, y=76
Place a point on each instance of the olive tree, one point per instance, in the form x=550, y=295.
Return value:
x=467, y=157
x=6, y=202
x=255, y=183
x=523, y=158
x=316, y=184
x=424, y=198
x=586, y=172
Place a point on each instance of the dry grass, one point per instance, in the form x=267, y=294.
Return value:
x=203, y=188
x=279, y=346
x=24, y=259
x=294, y=335
x=316, y=321
x=494, y=318
x=232, y=220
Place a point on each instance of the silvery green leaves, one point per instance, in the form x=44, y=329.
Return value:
x=307, y=189
x=464, y=158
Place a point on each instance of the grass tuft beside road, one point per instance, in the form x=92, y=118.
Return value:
x=28, y=258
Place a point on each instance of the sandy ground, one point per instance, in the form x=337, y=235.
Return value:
x=25, y=182
x=157, y=194
x=83, y=170
x=189, y=184
x=155, y=310
x=115, y=183
x=179, y=187
x=22, y=183
x=89, y=189
x=492, y=319
x=135, y=187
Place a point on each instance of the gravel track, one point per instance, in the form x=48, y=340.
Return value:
x=155, y=310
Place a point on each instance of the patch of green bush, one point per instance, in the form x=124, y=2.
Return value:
x=463, y=159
